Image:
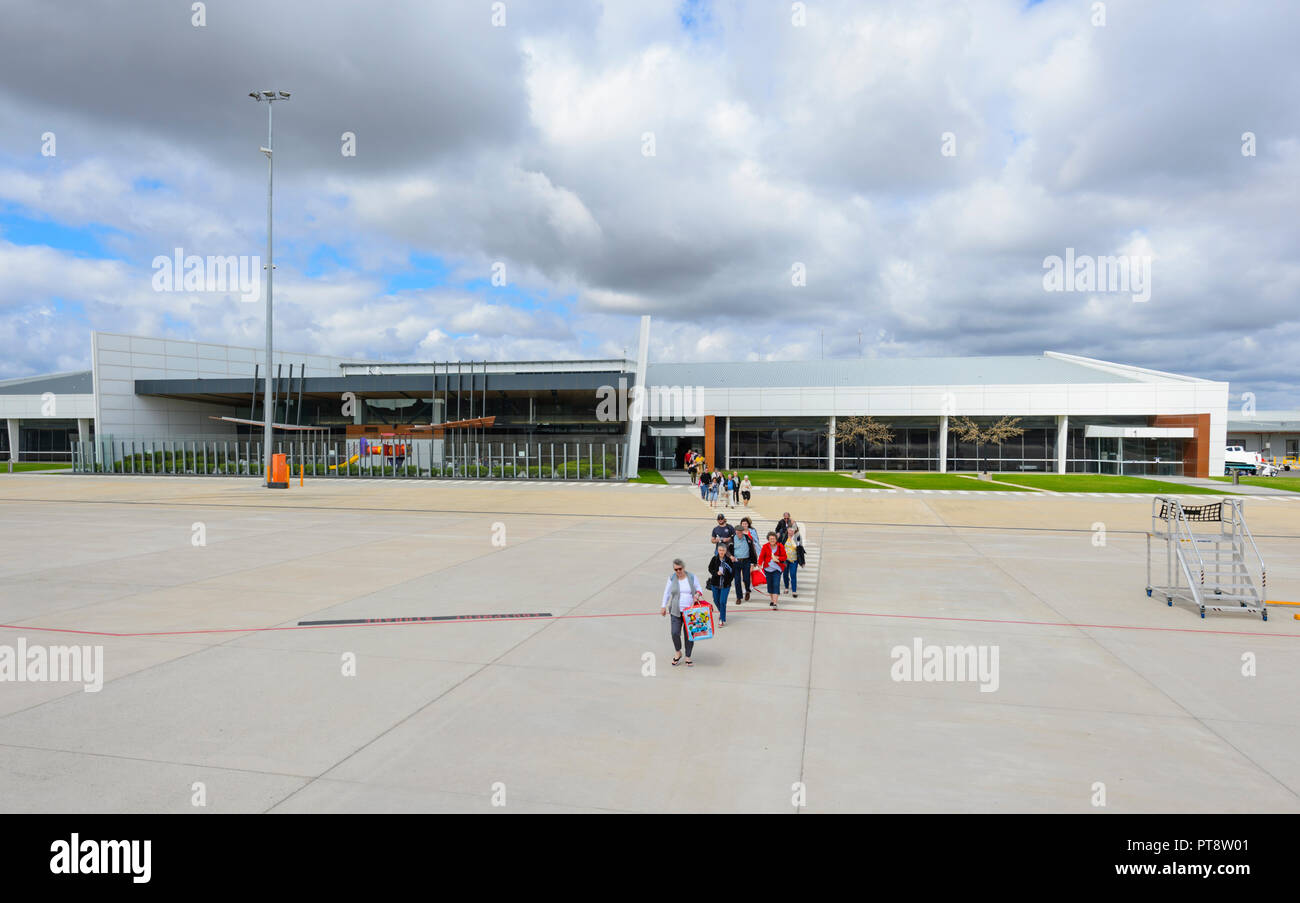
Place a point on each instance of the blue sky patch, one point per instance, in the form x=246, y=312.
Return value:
x=81, y=241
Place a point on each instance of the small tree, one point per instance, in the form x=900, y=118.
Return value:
x=968, y=430
x=868, y=430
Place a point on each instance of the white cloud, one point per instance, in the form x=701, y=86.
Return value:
x=773, y=145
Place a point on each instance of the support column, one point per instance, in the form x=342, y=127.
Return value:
x=437, y=446
x=711, y=440
x=727, y=444
x=943, y=444
x=14, y=434
x=831, y=445
x=633, y=459
x=1062, y=439
x=83, y=434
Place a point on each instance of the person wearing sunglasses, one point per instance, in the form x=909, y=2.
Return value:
x=682, y=591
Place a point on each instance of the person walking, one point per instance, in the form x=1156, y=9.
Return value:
x=745, y=487
x=729, y=489
x=745, y=547
x=782, y=528
x=715, y=483
x=722, y=534
x=703, y=481
x=721, y=573
x=794, y=554
x=682, y=591
x=772, y=562
x=735, y=488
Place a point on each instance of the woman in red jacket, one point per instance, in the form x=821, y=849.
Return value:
x=772, y=562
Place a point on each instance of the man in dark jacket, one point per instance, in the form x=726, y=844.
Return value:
x=782, y=527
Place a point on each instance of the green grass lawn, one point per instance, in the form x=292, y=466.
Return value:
x=1286, y=484
x=768, y=478
x=1096, y=482
x=908, y=480
x=34, y=465
x=646, y=475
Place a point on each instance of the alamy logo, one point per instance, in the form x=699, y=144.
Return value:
x=946, y=664
x=192, y=273
x=103, y=857
x=618, y=404
x=1085, y=273
x=55, y=664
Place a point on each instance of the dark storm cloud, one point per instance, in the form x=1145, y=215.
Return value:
x=414, y=80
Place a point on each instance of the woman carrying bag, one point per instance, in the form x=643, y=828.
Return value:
x=722, y=569
x=794, y=555
x=772, y=562
x=682, y=591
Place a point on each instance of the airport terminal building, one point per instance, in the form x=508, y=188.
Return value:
x=1078, y=415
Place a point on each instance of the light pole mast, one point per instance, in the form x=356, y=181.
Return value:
x=267, y=414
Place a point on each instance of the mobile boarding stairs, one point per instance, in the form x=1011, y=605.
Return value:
x=1208, y=555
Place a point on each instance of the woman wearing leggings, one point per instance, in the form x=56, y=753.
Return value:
x=681, y=592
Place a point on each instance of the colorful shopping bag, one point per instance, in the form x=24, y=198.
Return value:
x=699, y=621
x=758, y=577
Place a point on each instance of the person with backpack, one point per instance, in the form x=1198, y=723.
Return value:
x=772, y=562
x=682, y=591
x=722, y=570
x=745, y=546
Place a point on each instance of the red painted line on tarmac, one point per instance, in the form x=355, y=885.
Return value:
x=870, y=614
x=638, y=614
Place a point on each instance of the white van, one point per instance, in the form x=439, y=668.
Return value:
x=1236, y=458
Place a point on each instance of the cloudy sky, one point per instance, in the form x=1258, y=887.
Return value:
x=767, y=179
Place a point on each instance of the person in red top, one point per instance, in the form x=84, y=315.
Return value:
x=772, y=562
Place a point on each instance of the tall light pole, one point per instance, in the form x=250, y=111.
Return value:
x=270, y=97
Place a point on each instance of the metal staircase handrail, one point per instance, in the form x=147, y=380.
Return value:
x=1184, y=533
x=1239, y=523
x=1192, y=585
